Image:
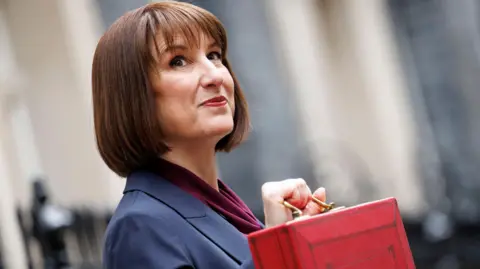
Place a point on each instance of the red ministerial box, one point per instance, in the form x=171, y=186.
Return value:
x=366, y=236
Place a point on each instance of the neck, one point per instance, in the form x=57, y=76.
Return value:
x=199, y=160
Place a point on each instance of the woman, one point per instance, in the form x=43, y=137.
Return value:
x=165, y=101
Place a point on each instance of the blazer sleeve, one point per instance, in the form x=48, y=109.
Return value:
x=142, y=241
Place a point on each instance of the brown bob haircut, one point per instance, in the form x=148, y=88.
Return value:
x=127, y=129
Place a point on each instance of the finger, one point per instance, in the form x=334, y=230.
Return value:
x=320, y=194
x=275, y=212
x=293, y=189
x=300, y=195
x=312, y=208
x=274, y=193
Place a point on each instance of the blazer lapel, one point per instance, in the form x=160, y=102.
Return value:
x=200, y=216
x=223, y=234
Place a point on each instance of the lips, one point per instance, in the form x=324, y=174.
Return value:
x=215, y=101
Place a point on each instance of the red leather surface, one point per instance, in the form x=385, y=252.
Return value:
x=366, y=236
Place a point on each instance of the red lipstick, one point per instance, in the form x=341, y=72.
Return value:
x=216, y=101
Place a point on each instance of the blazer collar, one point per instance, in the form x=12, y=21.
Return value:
x=199, y=215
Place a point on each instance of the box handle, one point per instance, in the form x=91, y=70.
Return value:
x=296, y=212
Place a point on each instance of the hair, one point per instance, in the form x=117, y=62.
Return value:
x=127, y=130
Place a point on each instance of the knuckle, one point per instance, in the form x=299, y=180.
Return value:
x=266, y=186
x=294, y=181
x=300, y=182
x=268, y=189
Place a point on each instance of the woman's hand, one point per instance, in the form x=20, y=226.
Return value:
x=294, y=191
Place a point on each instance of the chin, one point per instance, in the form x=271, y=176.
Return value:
x=221, y=131
x=220, y=128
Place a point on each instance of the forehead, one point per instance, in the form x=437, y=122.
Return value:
x=184, y=24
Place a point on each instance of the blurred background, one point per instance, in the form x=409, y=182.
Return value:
x=370, y=99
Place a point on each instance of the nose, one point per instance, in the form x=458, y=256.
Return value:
x=211, y=77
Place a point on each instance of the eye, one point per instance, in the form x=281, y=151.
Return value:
x=214, y=55
x=178, y=61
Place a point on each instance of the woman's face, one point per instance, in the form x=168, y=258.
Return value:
x=194, y=91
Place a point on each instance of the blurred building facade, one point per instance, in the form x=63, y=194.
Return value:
x=331, y=84
x=46, y=52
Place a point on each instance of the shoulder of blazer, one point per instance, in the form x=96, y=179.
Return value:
x=196, y=213
x=164, y=191
x=144, y=233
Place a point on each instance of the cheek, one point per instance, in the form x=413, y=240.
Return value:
x=229, y=87
x=176, y=91
x=175, y=117
x=228, y=83
x=175, y=104
x=164, y=112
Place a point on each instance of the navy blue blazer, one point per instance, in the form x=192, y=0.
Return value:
x=158, y=225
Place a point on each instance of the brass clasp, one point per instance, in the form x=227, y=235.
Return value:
x=296, y=212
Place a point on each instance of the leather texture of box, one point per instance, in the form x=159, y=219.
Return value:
x=366, y=236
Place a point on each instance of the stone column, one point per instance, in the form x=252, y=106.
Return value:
x=11, y=242
x=353, y=103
